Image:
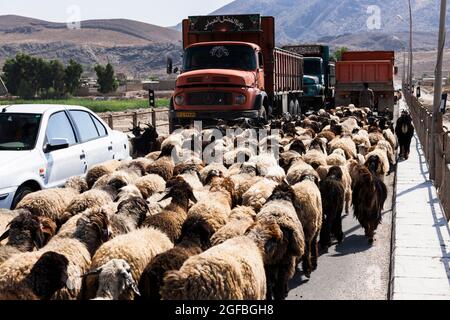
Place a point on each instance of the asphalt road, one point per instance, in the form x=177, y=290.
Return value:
x=353, y=270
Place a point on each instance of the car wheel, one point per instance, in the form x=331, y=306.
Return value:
x=20, y=194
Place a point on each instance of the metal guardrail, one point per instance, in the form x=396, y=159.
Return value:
x=422, y=119
x=134, y=117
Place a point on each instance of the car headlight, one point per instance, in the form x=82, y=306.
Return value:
x=240, y=99
x=179, y=100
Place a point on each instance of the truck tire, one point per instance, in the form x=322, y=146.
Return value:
x=298, y=109
x=263, y=114
x=291, y=107
x=20, y=194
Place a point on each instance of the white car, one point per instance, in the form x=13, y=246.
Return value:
x=41, y=146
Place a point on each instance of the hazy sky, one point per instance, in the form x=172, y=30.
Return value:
x=159, y=12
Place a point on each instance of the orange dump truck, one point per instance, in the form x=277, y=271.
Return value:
x=373, y=67
x=232, y=69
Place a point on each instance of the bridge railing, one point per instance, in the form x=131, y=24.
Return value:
x=422, y=118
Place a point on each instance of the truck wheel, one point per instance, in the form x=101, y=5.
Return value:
x=298, y=110
x=263, y=114
x=20, y=194
x=291, y=107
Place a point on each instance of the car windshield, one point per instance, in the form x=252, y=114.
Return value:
x=312, y=67
x=238, y=57
x=18, y=131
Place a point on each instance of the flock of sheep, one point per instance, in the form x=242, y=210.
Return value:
x=155, y=228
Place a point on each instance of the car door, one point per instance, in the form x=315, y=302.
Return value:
x=95, y=141
x=65, y=163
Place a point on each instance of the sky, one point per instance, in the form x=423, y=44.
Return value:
x=160, y=12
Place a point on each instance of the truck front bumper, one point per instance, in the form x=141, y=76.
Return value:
x=6, y=197
x=214, y=115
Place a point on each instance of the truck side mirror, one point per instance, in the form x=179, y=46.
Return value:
x=169, y=66
x=443, y=106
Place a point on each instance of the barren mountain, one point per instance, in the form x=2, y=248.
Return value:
x=134, y=47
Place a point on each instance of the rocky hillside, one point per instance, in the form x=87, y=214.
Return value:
x=134, y=47
x=309, y=20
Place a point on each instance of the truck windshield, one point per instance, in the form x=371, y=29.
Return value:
x=237, y=57
x=18, y=131
x=313, y=67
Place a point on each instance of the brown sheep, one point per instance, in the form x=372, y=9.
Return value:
x=171, y=219
x=241, y=218
x=308, y=205
x=164, y=164
x=99, y=170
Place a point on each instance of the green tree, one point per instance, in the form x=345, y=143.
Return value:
x=106, y=78
x=337, y=55
x=57, y=73
x=72, y=77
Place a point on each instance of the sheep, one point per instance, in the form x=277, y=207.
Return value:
x=204, y=173
x=164, y=164
x=380, y=167
x=123, y=178
x=257, y=195
x=6, y=216
x=115, y=280
x=195, y=238
x=241, y=218
x=345, y=143
x=50, y=203
x=281, y=267
x=369, y=196
x=77, y=241
x=244, y=179
x=233, y=270
x=190, y=172
x=170, y=220
x=93, y=198
x=25, y=233
x=315, y=158
x=333, y=197
x=130, y=215
x=337, y=158
x=77, y=183
x=137, y=248
x=362, y=143
x=385, y=145
x=308, y=205
x=296, y=171
x=99, y=170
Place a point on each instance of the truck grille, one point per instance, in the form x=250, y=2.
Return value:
x=209, y=99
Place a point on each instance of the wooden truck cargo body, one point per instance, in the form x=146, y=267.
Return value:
x=373, y=67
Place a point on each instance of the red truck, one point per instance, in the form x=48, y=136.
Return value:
x=373, y=67
x=232, y=69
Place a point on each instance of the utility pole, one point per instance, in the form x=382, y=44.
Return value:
x=410, y=48
x=437, y=116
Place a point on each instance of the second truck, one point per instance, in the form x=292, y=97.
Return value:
x=319, y=78
x=232, y=69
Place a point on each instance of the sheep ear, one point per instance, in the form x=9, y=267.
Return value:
x=4, y=235
x=167, y=196
x=192, y=197
x=96, y=271
x=38, y=239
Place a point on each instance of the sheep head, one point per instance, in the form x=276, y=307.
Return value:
x=373, y=163
x=282, y=192
x=48, y=275
x=24, y=232
x=115, y=279
x=335, y=173
x=135, y=207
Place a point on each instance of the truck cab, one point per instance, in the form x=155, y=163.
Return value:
x=220, y=80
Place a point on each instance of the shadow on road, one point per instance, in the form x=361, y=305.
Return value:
x=353, y=244
x=297, y=280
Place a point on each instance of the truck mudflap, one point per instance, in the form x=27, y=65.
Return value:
x=184, y=118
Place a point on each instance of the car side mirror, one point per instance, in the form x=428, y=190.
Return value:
x=56, y=144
